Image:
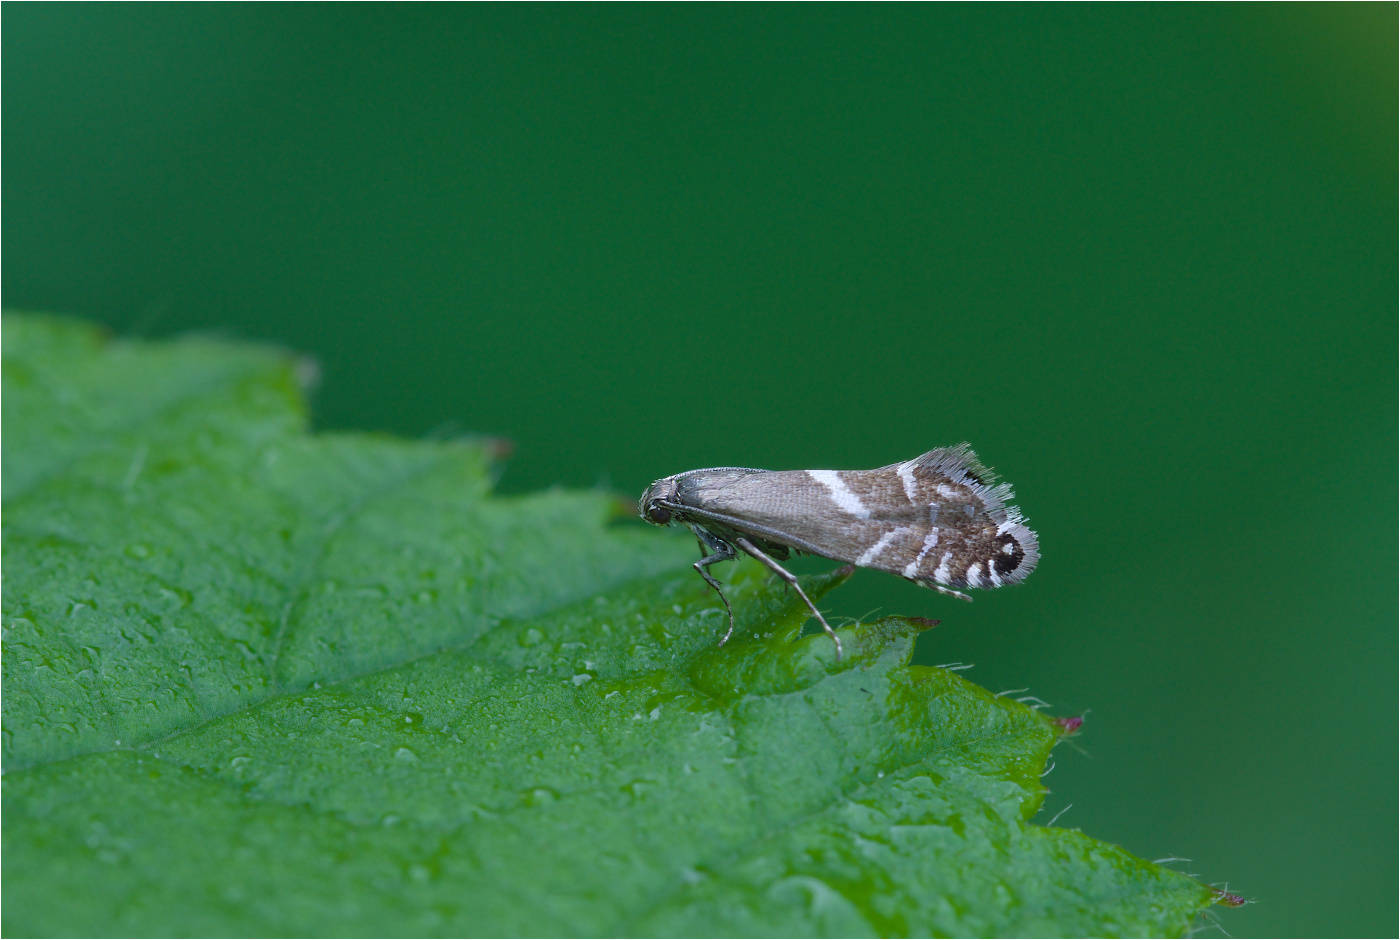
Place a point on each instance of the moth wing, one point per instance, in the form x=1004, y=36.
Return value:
x=974, y=537
x=938, y=518
x=941, y=519
x=787, y=507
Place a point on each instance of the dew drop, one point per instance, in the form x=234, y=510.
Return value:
x=539, y=796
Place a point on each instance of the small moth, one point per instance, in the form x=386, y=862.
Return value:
x=936, y=520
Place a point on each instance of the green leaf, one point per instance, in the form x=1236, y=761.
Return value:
x=264, y=682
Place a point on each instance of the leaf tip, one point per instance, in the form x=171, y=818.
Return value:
x=307, y=371
x=499, y=448
x=1226, y=899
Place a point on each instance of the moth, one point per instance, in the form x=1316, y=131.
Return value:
x=938, y=520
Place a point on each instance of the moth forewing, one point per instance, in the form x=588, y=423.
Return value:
x=937, y=520
x=773, y=506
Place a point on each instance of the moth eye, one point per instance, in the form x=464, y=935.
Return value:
x=658, y=515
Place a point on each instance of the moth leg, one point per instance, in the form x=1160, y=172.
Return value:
x=720, y=550
x=939, y=588
x=791, y=578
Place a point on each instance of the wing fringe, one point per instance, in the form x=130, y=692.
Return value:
x=961, y=465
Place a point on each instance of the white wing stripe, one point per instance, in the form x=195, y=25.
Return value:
x=841, y=494
x=906, y=476
x=930, y=540
x=941, y=575
x=873, y=552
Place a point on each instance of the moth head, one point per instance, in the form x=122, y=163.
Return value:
x=649, y=506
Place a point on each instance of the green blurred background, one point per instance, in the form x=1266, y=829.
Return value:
x=1142, y=257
